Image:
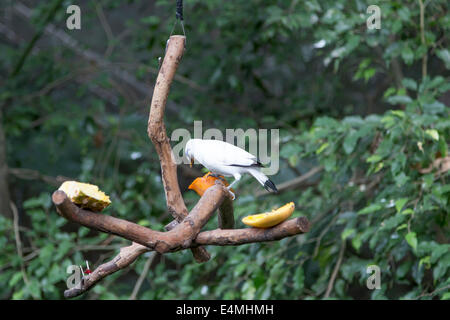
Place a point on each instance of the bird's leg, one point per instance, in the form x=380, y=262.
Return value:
x=237, y=177
x=235, y=180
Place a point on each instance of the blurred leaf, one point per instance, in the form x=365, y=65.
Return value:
x=433, y=134
x=372, y=208
x=400, y=203
x=411, y=238
x=444, y=54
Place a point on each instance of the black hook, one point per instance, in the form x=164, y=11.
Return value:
x=179, y=13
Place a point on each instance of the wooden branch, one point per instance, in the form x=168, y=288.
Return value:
x=157, y=130
x=143, y=275
x=157, y=133
x=236, y=237
x=30, y=174
x=335, y=270
x=226, y=214
x=126, y=256
x=178, y=238
x=144, y=239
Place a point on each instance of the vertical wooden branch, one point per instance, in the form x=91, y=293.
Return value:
x=157, y=133
x=226, y=214
x=157, y=129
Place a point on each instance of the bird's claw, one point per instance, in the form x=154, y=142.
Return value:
x=233, y=196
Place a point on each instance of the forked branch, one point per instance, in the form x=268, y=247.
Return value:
x=184, y=232
x=157, y=133
x=184, y=235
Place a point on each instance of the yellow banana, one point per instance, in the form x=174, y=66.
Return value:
x=270, y=219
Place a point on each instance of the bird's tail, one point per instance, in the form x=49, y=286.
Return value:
x=262, y=178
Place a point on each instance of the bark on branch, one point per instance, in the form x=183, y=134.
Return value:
x=126, y=256
x=234, y=237
x=226, y=214
x=178, y=238
x=157, y=133
x=184, y=235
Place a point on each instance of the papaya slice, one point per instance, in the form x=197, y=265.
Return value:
x=201, y=184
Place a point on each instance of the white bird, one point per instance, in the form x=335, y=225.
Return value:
x=222, y=158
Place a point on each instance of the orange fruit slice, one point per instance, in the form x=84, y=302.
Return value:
x=201, y=184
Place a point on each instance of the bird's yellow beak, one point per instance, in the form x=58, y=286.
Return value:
x=192, y=162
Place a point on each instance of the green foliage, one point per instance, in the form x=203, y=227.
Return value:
x=357, y=102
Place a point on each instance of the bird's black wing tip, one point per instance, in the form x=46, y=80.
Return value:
x=259, y=164
x=270, y=186
x=256, y=164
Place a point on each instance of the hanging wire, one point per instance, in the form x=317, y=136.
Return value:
x=178, y=17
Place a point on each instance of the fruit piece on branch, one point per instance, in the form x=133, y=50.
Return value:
x=85, y=195
x=201, y=184
x=270, y=219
